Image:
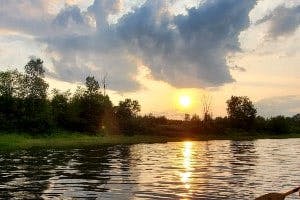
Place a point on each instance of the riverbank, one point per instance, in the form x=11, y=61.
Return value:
x=73, y=140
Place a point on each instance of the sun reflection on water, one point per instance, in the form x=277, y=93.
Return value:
x=185, y=176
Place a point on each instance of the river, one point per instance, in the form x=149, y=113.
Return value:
x=221, y=169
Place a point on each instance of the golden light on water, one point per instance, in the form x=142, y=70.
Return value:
x=187, y=156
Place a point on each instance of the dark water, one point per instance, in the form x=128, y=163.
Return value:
x=183, y=170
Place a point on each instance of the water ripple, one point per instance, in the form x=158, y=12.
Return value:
x=179, y=170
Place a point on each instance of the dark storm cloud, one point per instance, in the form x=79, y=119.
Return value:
x=187, y=50
x=184, y=50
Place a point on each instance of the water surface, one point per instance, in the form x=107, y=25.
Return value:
x=178, y=170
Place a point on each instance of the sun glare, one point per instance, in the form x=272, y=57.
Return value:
x=185, y=101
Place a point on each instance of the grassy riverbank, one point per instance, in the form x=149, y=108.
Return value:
x=69, y=140
x=72, y=140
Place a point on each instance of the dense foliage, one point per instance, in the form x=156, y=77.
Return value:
x=26, y=106
x=241, y=112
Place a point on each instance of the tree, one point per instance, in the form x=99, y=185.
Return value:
x=9, y=88
x=34, y=85
x=128, y=109
x=60, y=107
x=195, y=118
x=92, y=85
x=23, y=103
x=206, y=108
x=89, y=107
x=126, y=113
x=34, y=68
x=241, y=112
x=278, y=125
x=37, y=113
x=187, y=117
x=10, y=83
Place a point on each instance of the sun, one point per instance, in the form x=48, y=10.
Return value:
x=185, y=101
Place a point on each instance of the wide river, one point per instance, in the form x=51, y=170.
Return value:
x=177, y=170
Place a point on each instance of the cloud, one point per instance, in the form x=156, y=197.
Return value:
x=281, y=105
x=283, y=20
x=238, y=68
x=29, y=16
x=187, y=50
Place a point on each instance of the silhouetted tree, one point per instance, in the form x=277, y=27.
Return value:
x=10, y=84
x=187, y=117
x=195, y=117
x=221, y=125
x=88, y=107
x=206, y=108
x=278, y=124
x=128, y=108
x=260, y=124
x=37, y=111
x=33, y=83
x=92, y=85
x=126, y=113
x=60, y=108
x=241, y=112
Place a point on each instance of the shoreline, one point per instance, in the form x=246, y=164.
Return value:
x=77, y=140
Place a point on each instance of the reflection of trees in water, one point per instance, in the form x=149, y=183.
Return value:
x=123, y=180
x=37, y=174
x=101, y=166
x=243, y=161
x=25, y=174
x=119, y=171
x=213, y=172
x=244, y=154
x=90, y=167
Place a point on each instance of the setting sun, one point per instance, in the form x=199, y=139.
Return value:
x=185, y=100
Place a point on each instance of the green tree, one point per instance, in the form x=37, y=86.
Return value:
x=60, y=107
x=37, y=113
x=92, y=85
x=241, y=112
x=88, y=107
x=10, y=83
x=128, y=109
x=34, y=68
x=34, y=85
x=127, y=113
x=278, y=125
x=9, y=91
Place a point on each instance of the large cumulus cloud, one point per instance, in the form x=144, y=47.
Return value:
x=187, y=50
x=184, y=50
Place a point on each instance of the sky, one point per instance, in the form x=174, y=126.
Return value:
x=158, y=50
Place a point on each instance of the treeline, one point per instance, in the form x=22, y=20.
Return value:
x=26, y=107
x=242, y=117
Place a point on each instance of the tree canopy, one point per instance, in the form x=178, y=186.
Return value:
x=241, y=112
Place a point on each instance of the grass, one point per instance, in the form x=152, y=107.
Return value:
x=252, y=136
x=66, y=140
x=72, y=140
